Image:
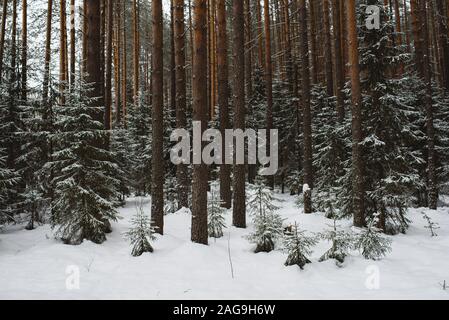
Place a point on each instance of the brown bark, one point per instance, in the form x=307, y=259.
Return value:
x=63, y=50
x=305, y=103
x=181, y=102
x=223, y=98
x=199, y=92
x=124, y=73
x=157, y=177
x=260, y=37
x=357, y=135
x=72, y=44
x=268, y=74
x=24, y=59
x=136, y=47
x=2, y=35
x=339, y=63
x=108, y=77
x=443, y=41
x=239, y=207
x=47, y=53
x=328, y=49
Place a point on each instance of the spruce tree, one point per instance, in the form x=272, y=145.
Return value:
x=342, y=243
x=84, y=173
x=298, y=247
x=141, y=233
x=370, y=241
x=267, y=223
x=216, y=213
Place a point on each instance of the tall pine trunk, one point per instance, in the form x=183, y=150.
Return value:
x=157, y=177
x=200, y=113
x=223, y=98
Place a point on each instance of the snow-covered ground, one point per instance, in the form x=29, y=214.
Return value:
x=33, y=265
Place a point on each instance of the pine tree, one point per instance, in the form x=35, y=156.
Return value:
x=370, y=241
x=85, y=175
x=342, y=243
x=216, y=212
x=8, y=178
x=141, y=233
x=267, y=223
x=298, y=247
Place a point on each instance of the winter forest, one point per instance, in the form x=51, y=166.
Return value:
x=93, y=206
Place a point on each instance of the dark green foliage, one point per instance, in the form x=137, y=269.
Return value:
x=298, y=247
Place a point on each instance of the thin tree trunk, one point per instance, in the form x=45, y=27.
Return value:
x=63, y=50
x=2, y=35
x=339, y=68
x=108, y=79
x=157, y=183
x=124, y=75
x=181, y=120
x=328, y=49
x=47, y=53
x=357, y=135
x=24, y=50
x=72, y=44
x=223, y=98
x=268, y=75
x=136, y=52
x=305, y=102
x=239, y=207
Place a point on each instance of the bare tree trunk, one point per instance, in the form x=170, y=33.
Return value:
x=63, y=50
x=47, y=52
x=2, y=35
x=181, y=120
x=328, y=49
x=117, y=63
x=260, y=32
x=108, y=79
x=157, y=177
x=357, y=135
x=223, y=98
x=239, y=207
x=72, y=44
x=339, y=68
x=443, y=40
x=268, y=75
x=432, y=184
x=124, y=75
x=305, y=102
x=24, y=50
x=136, y=52
x=200, y=113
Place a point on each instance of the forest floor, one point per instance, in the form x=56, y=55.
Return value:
x=34, y=265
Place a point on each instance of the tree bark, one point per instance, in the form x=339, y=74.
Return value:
x=328, y=49
x=136, y=52
x=47, y=52
x=223, y=98
x=339, y=69
x=108, y=77
x=2, y=35
x=24, y=58
x=357, y=135
x=72, y=44
x=200, y=113
x=239, y=208
x=181, y=104
x=157, y=182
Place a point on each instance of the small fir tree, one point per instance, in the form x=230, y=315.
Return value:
x=298, y=247
x=342, y=242
x=267, y=223
x=141, y=233
x=216, y=213
x=371, y=242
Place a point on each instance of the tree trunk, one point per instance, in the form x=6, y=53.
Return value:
x=181, y=120
x=328, y=49
x=443, y=40
x=239, y=208
x=157, y=177
x=72, y=44
x=24, y=50
x=339, y=68
x=63, y=50
x=223, y=98
x=305, y=102
x=432, y=184
x=108, y=79
x=200, y=106
x=2, y=36
x=136, y=52
x=47, y=53
x=357, y=135
x=268, y=75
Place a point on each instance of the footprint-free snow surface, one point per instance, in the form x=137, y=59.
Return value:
x=35, y=265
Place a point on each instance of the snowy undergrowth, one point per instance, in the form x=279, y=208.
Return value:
x=34, y=265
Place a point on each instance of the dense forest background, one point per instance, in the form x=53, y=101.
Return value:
x=91, y=90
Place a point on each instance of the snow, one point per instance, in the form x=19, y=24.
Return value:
x=34, y=265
